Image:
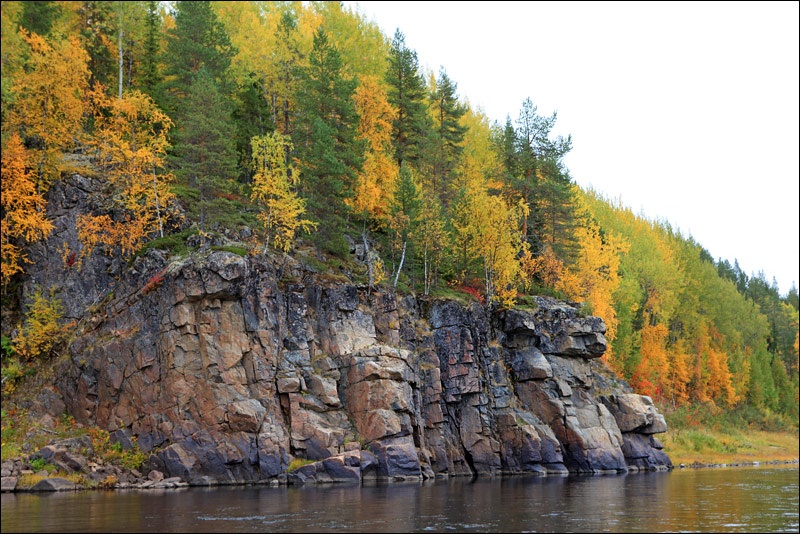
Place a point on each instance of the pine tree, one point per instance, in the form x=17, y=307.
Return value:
x=198, y=41
x=330, y=157
x=204, y=154
x=537, y=173
x=448, y=132
x=407, y=94
x=149, y=76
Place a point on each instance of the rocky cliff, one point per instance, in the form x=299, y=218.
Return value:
x=227, y=368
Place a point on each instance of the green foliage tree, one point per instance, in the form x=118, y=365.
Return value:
x=405, y=210
x=281, y=73
x=329, y=154
x=197, y=41
x=38, y=16
x=97, y=26
x=149, y=74
x=407, y=93
x=448, y=132
x=252, y=117
x=204, y=152
x=131, y=32
x=250, y=36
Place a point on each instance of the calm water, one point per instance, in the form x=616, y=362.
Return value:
x=740, y=499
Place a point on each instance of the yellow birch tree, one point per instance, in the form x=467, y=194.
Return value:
x=272, y=189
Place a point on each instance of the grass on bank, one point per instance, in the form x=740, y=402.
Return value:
x=706, y=435
x=716, y=447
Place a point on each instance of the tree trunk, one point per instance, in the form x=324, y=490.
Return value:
x=400, y=267
x=121, y=59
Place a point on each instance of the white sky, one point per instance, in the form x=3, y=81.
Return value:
x=686, y=112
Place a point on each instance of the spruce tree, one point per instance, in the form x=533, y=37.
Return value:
x=407, y=94
x=205, y=156
x=38, y=16
x=252, y=116
x=328, y=152
x=97, y=28
x=448, y=133
x=150, y=78
x=197, y=41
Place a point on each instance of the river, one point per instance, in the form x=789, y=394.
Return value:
x=726, y=499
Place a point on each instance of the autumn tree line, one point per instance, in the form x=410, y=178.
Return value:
x=309, y=126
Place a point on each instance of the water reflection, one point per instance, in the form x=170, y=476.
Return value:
x=701, y=500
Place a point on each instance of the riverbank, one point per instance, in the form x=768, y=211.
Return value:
x=61, y=468
x=45, y=454
x=703, y=447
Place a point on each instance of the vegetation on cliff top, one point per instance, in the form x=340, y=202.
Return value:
x=301, y=127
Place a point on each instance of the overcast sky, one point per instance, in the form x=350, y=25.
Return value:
x=686, y=112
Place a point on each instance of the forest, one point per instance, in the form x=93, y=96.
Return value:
x=302, y=128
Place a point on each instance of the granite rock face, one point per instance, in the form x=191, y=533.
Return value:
x=228, y=370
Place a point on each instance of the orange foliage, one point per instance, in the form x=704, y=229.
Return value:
x=712, y=379
x=378, y=177
x=679, y=376
x=653, y=369
x=96, y=230
x=23, y=208
x=49, y=98
x=546, y=267
x=719, y=377
x=130, y=141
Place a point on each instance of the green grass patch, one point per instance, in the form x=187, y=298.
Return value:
x=174, y=244
x=230, y=213
x=240, y=251
x=297, y=463
x=444, y=292
x=706, y=434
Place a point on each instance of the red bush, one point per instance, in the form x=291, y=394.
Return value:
x=154, y=282
x=472, y=291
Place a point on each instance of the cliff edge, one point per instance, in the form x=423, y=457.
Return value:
x=227, y=368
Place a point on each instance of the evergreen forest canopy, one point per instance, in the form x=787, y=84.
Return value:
x=305, y=125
